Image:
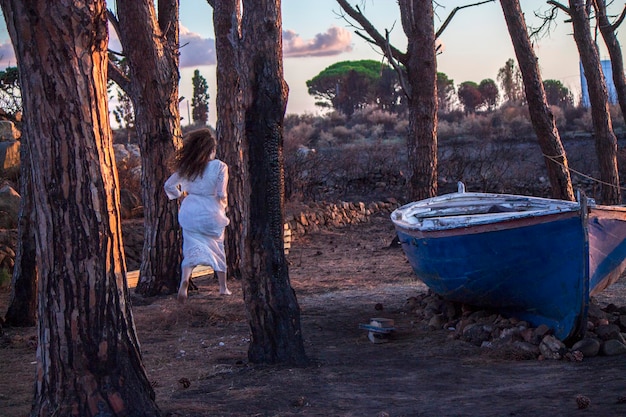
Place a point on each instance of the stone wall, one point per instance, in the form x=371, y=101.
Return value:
x=318, y=216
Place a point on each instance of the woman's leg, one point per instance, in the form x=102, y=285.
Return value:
x=221, y=279
x=184, y=283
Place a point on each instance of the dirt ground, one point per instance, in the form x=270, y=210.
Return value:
x=196, y=354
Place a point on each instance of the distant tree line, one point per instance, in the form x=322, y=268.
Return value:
x=348, y=86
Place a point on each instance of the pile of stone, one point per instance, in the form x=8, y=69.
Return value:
x=322, y=215
x=605, y=333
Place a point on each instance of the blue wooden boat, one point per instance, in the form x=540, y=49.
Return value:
x=532, y=258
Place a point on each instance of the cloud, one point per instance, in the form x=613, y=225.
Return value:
x=195, y=50
x=335, y=41
x=7, y=55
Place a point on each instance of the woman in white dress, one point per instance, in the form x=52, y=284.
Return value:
x=201, y=181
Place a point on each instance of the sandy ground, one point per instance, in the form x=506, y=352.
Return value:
x=196, y=354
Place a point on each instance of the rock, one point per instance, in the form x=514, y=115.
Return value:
x=608, y=331
x=612, y=347
x=9, y=207
x=589, y=347
x=437, y=321
x=552, y=348
x=8, y=131
x=476, y=334
x=10, y=158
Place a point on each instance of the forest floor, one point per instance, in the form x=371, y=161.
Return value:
x=196, y=354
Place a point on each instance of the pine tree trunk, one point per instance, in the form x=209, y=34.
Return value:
x=606, y=142
x=22, y=311
x=421, y=67
x=540, y=113
x=615, y=52
x=230, y=134
x=151, y=48
x=88, y=359
x=273, y=311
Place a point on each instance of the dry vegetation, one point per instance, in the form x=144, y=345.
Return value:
x=196, y=354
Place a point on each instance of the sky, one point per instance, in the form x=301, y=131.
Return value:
x=476, y=44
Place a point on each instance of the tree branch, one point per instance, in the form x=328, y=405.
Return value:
x=406, y=88
x=118, y=77
x=619, y=20
x=376, y=38
x=453, y=12
x=114, y=72
x=559, y=6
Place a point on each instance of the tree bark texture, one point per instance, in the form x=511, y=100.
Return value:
x=417, y=18
x=605, y=140
x=273, y=310
x=88, y=358
x=615, y=52
x=540, y=113
x=230, y=133
x=151, y=47
x=22, y=311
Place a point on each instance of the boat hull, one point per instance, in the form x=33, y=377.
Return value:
x=534, y=268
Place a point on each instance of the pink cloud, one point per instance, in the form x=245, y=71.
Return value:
x=335, y=41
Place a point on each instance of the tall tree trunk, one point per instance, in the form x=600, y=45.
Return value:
x=421, y=66
x=151, y=48
x=615, y=51
x=230, y=132
x=605, y=140
x=540, y=113
x=22, y=311
x=273, y=311
x=88, y=358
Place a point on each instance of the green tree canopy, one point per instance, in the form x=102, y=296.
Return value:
x=200, y=99
x=510, y=79
x=470, y=96
x=557, y=94
x=489, y=92
x=348, y=85
x=445, y=92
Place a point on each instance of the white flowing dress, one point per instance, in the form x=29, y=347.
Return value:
x=202, y=215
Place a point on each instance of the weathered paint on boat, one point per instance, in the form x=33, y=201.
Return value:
x=532, y=258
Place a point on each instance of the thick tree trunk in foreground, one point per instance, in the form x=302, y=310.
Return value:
x=230, y=133
x=540, y=114
x=88, y=359
x=273, y=311
x=151, y=48
x=606, y=142
x=22, y=311
x=615, y=51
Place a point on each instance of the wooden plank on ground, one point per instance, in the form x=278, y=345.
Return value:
x=133, y=276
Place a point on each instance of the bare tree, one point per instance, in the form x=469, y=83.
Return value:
x=540, y=113
x=150, y=44
x=420, y=86
x=88, y=356
x=605, y=139
x=608, y=30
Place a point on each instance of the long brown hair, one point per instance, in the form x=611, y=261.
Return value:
x=195, y=154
